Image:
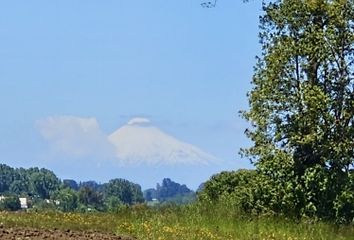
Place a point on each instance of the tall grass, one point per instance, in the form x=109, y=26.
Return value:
x=181, y=222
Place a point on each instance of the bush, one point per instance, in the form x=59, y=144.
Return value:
x=235, y=188
x=10, y=203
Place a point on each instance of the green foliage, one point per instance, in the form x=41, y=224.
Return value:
x=113, y=204
x=34, y=181
x=6, y=177
x=150, y=194
x=67, y=199
x=19, y=187
x=90, y=198
x=227, y=183
x=71, y=184
x=91, y=184
x=10, y=203
x=41, y=205
x=302, y=110
x=235, y=188
x=127, y=192
x=43, y=182
x=45, y=191
x=182, y=199
x=170, y=192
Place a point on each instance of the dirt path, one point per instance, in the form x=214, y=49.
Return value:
x=40, y=234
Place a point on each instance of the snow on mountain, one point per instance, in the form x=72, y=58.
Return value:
x=139, y=142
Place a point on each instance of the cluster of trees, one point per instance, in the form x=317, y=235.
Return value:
x=93, y=196
x=45, y=190
x=33, y=182
x=301, y=114
x=170, y=191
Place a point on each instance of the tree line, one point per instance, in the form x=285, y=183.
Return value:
x=45, y=190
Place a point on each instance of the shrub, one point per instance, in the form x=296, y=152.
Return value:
x=10, y=203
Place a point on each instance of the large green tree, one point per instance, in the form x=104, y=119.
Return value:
x=66, y=199
x=302, y=108
x=126, y=191
x=90, y=197
x=43, y=182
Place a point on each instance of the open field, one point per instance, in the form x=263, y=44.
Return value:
x=189, y=222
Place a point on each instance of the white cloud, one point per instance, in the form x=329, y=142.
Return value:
x=75, y=136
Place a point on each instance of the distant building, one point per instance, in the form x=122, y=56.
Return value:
x=23, y=202
x=2, y=197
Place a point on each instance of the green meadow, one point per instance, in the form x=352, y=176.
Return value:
x=180, y=222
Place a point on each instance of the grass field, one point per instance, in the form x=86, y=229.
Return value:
x=188, y=222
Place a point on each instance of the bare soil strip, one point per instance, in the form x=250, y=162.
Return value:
x=55, y=234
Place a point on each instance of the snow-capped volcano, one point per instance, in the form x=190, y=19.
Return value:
x=140, y=142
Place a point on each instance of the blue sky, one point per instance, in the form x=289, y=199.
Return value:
x=184, y=67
